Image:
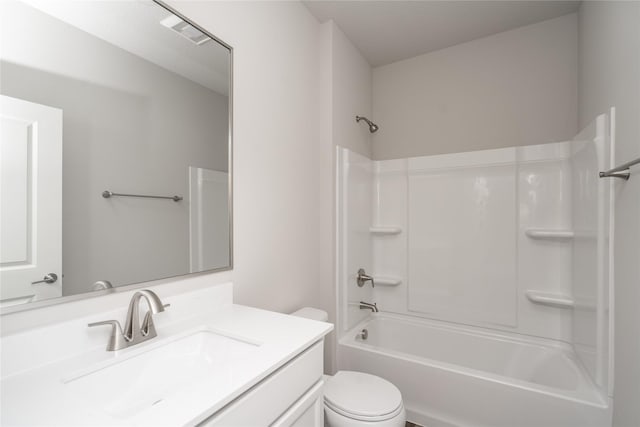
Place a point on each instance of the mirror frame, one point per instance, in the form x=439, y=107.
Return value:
x=161, y=280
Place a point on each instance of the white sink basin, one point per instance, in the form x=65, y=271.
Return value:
x=133, y=383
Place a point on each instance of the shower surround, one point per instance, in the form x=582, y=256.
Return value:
x=494, y=240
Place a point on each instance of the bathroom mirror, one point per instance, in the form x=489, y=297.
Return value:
x=115, y=148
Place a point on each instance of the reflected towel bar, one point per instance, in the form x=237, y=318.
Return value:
x=621, y=171
x=107, y=194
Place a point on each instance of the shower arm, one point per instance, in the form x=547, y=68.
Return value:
x=369, y=122
x=372, y=126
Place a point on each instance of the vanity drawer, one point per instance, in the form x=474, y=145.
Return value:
x=268, y=400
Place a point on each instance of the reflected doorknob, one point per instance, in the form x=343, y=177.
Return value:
x=49, y=279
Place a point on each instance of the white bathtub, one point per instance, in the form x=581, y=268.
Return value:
x=453, y=375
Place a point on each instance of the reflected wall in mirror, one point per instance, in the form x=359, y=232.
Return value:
x=100, y=100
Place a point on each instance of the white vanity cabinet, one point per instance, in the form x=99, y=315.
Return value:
x=291, y=396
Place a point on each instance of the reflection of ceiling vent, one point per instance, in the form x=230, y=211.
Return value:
x=185, y=29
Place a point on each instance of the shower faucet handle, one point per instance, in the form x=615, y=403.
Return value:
x=363, y=278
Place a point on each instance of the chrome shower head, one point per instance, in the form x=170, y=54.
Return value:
x=372, y=126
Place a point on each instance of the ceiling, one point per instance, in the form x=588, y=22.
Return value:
x=389, y=31
x=135, y=27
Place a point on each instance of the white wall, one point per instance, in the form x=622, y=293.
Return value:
x=513, y=88
x=609, y=75
x=129, y=126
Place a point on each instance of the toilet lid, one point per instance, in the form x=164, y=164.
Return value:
x=357, y=394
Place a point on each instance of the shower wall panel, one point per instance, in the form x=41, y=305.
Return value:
x=354, y=190
x=544, y=262
x=462, y=238
x=483, y=238
x=463, y=253
x=390, y=250
x=591, y=247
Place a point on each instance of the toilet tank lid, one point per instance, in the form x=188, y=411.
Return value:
x=312, y=313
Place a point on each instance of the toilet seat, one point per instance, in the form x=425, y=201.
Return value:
x=376, y=418
x=362, y=397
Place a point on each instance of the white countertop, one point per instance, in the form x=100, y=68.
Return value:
x=33, y=389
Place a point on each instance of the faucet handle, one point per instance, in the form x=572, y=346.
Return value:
x=114, y=323
x=117, y=340
x=363, y=277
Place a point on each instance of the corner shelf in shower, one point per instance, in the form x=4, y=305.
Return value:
x=387, y=281
x=548, y=298
x=385, y=230
x=543, y=233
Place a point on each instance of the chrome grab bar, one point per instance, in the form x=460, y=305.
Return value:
x=107, y=194
x=621, y=171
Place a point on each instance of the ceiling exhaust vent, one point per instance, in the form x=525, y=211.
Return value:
x=185, y=29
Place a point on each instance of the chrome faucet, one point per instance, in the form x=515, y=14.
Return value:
x=134, y=333
x=365, y=305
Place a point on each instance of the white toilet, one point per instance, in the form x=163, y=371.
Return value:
x=356, y=399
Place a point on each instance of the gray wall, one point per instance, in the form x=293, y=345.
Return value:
x=518, y=87
x=609, y=75
x=128, y=126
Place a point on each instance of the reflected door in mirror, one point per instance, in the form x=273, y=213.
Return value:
x=30, y=201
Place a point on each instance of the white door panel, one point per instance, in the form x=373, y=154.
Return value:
x=30, y=200
x=15, y=161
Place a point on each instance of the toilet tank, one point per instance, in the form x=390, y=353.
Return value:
x=312, y=313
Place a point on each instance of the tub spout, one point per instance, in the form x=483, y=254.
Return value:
x=365, y=305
